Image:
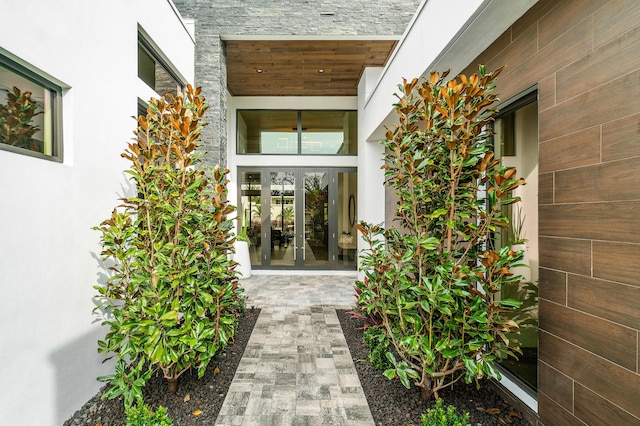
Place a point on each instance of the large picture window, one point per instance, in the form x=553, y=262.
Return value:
x=297, y=132
x=29, y=111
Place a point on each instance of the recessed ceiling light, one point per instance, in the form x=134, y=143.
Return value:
x=321, y=70
x=259, y=70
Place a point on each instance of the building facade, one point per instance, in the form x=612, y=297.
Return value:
x=300, y=94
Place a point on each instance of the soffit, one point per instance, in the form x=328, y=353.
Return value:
x=291, y=67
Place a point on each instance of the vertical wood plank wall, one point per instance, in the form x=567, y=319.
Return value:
x=584, y=57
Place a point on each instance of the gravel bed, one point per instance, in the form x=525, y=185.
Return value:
x=203, y=396
x=393, y=404
x=390, y=403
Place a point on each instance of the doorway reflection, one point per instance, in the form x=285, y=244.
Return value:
x=316, y=218
x=282, y=215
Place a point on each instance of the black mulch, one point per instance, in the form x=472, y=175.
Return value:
x=392, y=404
x=203, y=396
x=198, y=401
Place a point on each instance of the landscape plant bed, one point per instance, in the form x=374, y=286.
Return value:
x=389, y=401
x=393, y=404
x=197, y=401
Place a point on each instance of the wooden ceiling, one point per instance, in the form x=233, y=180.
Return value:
x=292, y=67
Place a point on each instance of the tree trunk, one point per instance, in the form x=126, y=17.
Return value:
x=428, y=393
x=172, y=385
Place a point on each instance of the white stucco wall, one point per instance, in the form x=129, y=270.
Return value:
x=444, y=34
x=48, y=251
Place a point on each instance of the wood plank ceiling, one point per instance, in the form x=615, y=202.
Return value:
x=301, y=67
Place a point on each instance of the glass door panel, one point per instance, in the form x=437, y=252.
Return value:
x=282, y=213
x=251, y=212
x=347, y=218
x=300, y=218
x=316, y=218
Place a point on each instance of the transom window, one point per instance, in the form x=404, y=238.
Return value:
x=297, y=132
x=30, y=107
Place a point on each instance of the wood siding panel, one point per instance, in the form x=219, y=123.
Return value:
x=552, y=414
x=597, y=411
x=615, y=19
x=565, y=255
x=620, y=138
x=596, y=106
x=574, y=150
x=612, y=382
x=597, y=221
x=615, y=181
x=567, y=15
x=612, y=301
x=595, y=69
x=523, y=47
x=553, y=285
x=492, y=51
x=617, y=262
x=604, y=338
x=556, y=385
x=547, y=92
x=524, y=71
x=533, y=15
x=545, y=188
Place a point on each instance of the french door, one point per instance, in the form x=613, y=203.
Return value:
x=299, y=218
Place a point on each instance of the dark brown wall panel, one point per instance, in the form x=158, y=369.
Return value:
x=525, y=71
x=615, y=181
x=521, y=47
x=553, y=285
x=584, y=57
x=485, y=57
x=596, y=106
x=595, y=410
x=533, y=15
x=597, y=221
x=595, y=69
x=547, y=92
x=552, y=414
x=565, y=254
x=616, y=302
x=545, y=188
x=617, y=262
x=603, y=338
x=612, y=382
x=566, y=15
x=574, y=150
x=613, y=21
x=556, y=385
x=621, y=138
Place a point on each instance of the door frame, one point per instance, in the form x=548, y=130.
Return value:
x=334, y=262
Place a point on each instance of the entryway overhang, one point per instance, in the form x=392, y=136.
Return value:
x=308, y=66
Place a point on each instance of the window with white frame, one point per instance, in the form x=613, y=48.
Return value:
x=30, y=107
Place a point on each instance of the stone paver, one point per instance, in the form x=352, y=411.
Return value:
x=296, y=369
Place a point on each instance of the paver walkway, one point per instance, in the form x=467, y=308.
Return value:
x=296, y=368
